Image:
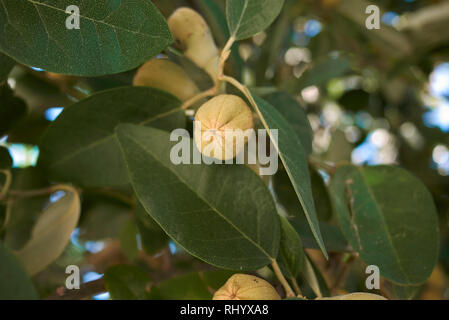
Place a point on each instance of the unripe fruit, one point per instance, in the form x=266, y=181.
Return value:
x=166, y=75
x=357, y=296
x=246, y=287
x=193, y=36
x=220, y=127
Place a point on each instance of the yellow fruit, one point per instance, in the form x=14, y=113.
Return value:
x=246, y=287
x=193, y=36
x=223, y=126
x=357, y=296
x=166, y=75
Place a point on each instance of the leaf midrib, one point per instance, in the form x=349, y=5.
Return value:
x=240, y=19
x=92, y=20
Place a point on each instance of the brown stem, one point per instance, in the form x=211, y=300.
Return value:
x=326, y=166
x=40, y=192
x=188, y=103
x=86, y=291
x=296, y=287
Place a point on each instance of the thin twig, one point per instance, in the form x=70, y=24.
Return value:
x=41, y=192
x=188, y=103
x=277, y=271
x=326, y=166
x=86, y=291
x=296, y=287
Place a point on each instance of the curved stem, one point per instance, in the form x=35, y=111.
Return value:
x=188, y=103
x=224, y=56
x=8, y=180
x=212, y=91
x=326, y=166
x=277, y=271
x=41, y=192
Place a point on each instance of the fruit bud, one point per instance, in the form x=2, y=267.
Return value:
x=193, y=36
x=246, y=287
x=166, y=75
x=357, y=296
x=221, y=126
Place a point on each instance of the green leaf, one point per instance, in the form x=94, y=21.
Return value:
x=128, y=240
x=125, y=282
x=80, y=145
x=6, y=64
x=221, y=214
x=12, y=109
x=102, y=218
x=249, y=17
x=295, y=114
x=406, y=292
x=334, y=240
x=192, y=286
x=51, y=234
x=294, y=159
x=389, y=217
x=152, y=236
x=291, y=254
x=5, y=159
x=113, y=36
x=14, y=282
x=322, y=72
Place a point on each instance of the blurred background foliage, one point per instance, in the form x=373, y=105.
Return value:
x=371, y=96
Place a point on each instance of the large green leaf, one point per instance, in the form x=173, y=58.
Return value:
x=125, y=282
x=6, y=64
x=389, y=217
x=14, y=282
x=80, y=145
x=248, y=17
x=294, y=158
x=191, y=286
x=222, y=214
x=114, y=36
x=51, y=234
